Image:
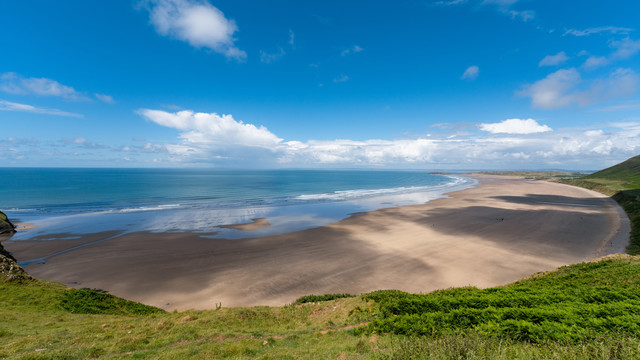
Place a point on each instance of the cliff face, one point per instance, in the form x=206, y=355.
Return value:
x=9, y=269
x=6, y=227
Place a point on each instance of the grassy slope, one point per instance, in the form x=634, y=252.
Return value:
x=622, y=183
x=34, y=324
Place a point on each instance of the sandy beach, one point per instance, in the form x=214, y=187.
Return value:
x=500, y=231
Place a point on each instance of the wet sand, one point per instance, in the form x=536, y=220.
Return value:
x=500, y=231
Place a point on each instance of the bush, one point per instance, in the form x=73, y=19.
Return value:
x=568, y=305
x=318, y=298
x=87, y=301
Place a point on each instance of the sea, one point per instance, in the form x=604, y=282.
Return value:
x=57, y=203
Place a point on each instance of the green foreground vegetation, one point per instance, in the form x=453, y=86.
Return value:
x=582, y=311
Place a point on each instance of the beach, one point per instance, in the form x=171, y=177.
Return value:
x=502, y=230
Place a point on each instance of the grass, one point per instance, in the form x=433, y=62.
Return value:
x=573, y=304
x=34, y=323
x=318, y=298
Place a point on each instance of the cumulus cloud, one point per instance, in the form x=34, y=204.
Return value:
x=471, y=73
x=553, y=60
x=12, y=106
x=566, y=87
x=597, y=30
x=211, y=128
x=515, y=126
x=15, y=84
x=196, y=22
x=211, y=138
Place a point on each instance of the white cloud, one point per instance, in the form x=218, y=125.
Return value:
x=214, y=139
x=565, y=87
x=624, y=49
x=12, y=106
x=205, y=128
x=515, y=126
x=591, y=133
x=352, y=50
x=105, y=98
x=15, y=84
x=596, y=30
x=471, y=73
x=553, y=60
x=593, y=62
x=505, y=7
x=197, y=22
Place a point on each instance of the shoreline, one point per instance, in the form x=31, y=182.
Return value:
x=495, y=233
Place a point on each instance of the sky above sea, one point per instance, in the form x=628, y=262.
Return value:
x=431, y=84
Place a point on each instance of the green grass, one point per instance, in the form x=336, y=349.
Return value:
x=596, y=305
x=574, y=304
x=317, y=298
x=87, y=301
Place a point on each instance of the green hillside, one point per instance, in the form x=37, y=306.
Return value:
x=622, y=183
x=624, y=176
x=583, y=311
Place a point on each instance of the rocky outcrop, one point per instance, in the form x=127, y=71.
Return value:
x=6, y=227
x=9, y=269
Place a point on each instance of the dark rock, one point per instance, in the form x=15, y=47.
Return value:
x=6, y=227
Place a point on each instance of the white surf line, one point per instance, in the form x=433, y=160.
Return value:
x=565, y=204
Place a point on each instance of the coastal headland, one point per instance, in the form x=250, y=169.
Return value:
x=502, y=230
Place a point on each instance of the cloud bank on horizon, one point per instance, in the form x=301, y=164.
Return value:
x=206, y=135
x=315, y=87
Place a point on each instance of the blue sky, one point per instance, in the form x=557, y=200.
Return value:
x=443, y=84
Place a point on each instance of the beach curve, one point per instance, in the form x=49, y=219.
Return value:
x=503, y=229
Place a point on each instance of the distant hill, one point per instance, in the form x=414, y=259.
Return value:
x=625, y=174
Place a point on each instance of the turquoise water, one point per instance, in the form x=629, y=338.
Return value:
x=92, y=200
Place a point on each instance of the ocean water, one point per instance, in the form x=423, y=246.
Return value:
x=66, y=202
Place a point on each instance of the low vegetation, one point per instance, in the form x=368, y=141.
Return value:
x=589, y=310
x=318, y=298
x=573, y=304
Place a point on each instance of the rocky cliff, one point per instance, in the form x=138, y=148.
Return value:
x=6, y=227
x=9, y=269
